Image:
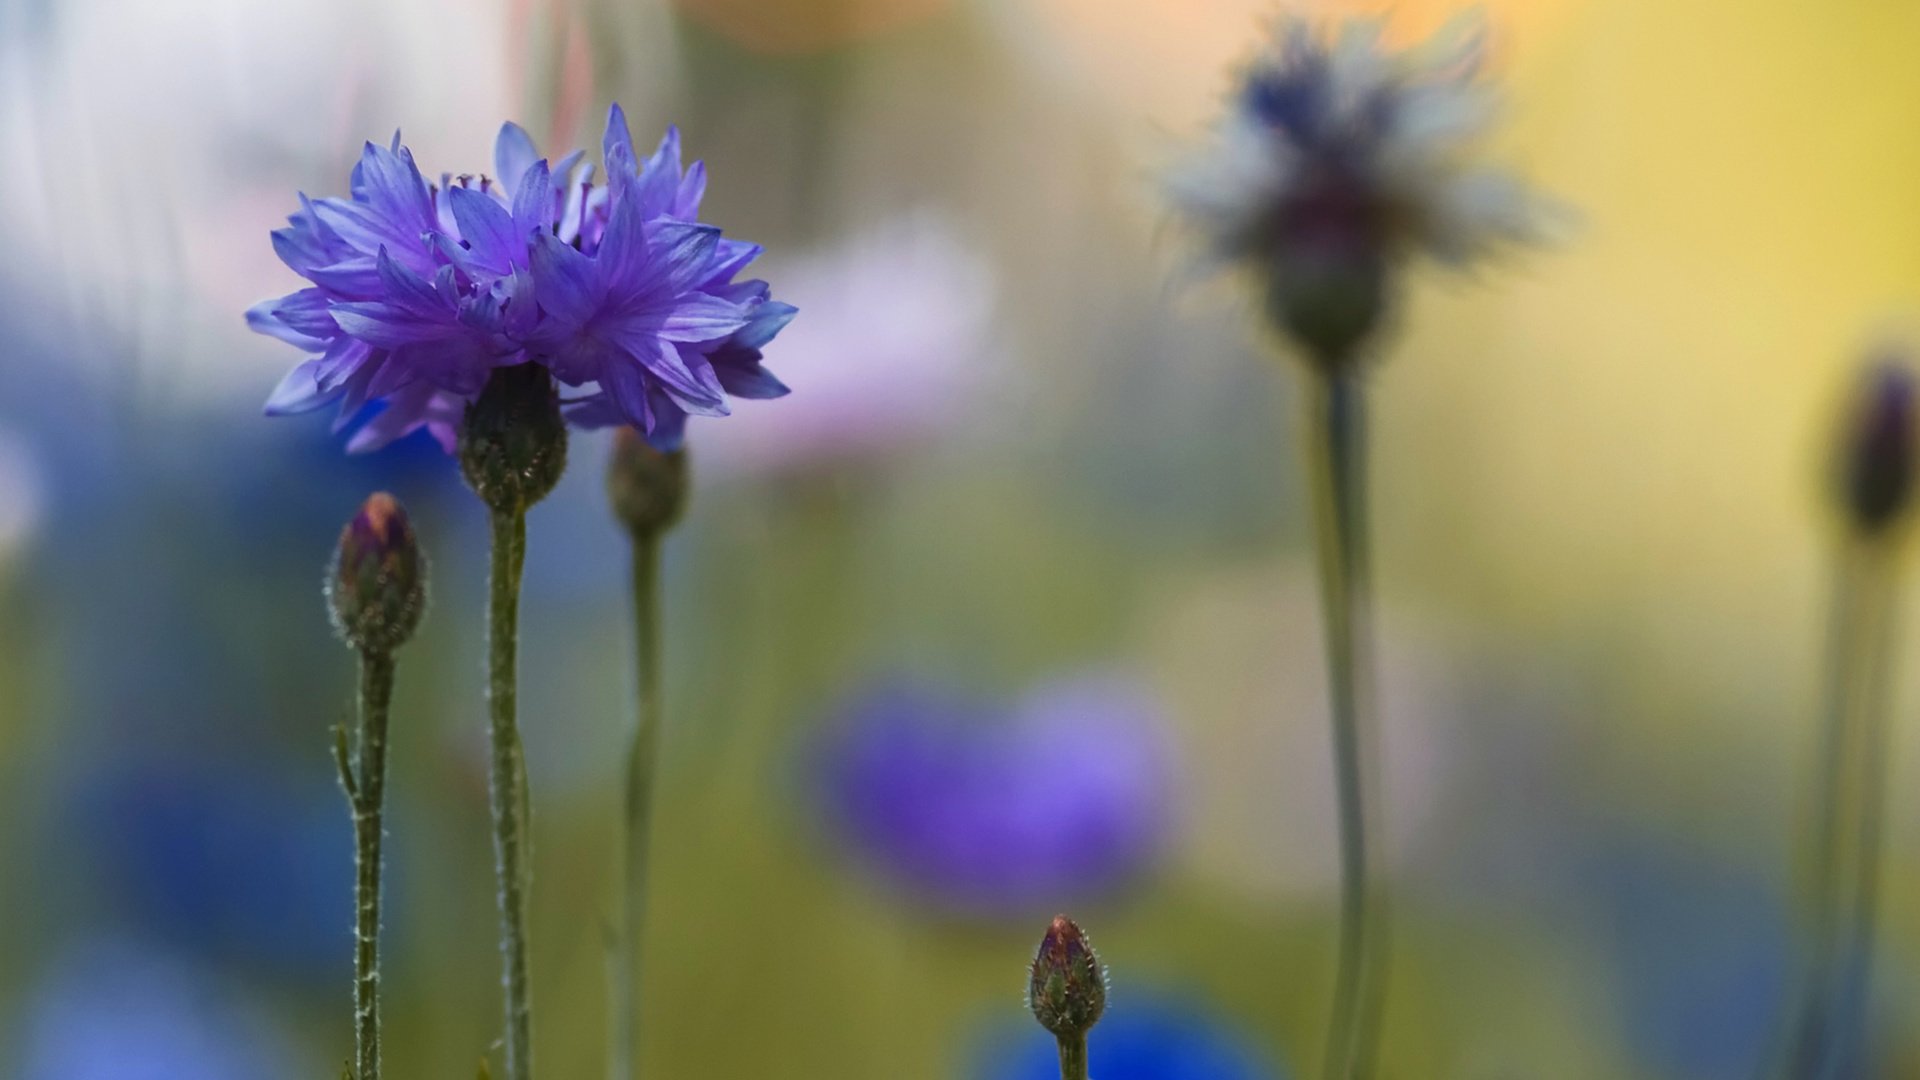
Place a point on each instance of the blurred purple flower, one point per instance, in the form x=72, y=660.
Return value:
x=990, y=812
x=116, y=1010
x=420, y=290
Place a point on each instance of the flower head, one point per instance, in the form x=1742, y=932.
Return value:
x=1338, y=158
x=419, y=291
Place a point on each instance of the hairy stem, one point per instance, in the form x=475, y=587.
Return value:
x=508, y=783
x=366, y=795
x=636, y=823
x=1073, y=1057
x=1339, y=487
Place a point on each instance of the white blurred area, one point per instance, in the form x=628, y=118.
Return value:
x=153, y=146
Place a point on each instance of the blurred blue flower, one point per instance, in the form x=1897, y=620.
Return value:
x=1137, y=1040
x=988, y=811
x=222, y=861
x=420, y=290
x=117, y=1010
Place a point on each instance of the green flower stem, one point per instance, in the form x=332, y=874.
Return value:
x=509, y=783
x=642, y=754
x=1073, y=1057
x=364, y=776
x=1843, y=873
x=1339, y=500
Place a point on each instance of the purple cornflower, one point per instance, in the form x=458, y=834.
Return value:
x=420, y=290
x=990, y=811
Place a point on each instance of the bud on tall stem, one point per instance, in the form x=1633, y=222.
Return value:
x=376, y=592
x=647, y=489
x=1875, y=496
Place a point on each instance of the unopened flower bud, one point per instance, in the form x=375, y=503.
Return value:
x=647, y=487
x=1068, y=991
x=513, y=446
x=1327, y=282
x=1879, y=456
x=377, y=585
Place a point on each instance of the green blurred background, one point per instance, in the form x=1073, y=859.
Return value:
x=1033, y=451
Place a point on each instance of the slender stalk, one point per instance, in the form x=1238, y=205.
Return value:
x=1856, y=975
x=1073, y=1057
x=1339, y=497
x=366, y=782
x=509, y=783
x=1843, y=878
x=642, y=753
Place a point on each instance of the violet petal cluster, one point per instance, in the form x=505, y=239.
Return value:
x=986, y=810
x=419, y=290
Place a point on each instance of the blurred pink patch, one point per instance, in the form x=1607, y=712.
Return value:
x=890, y=349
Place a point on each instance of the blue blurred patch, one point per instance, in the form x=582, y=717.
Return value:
x=225, y=862
x=1136, y=1040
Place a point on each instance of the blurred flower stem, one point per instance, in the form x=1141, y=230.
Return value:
x=1843, y=870
x=636, y=822
x=508, y=781
x=1337, y=455
x=647, y=489
x=1829, y=1039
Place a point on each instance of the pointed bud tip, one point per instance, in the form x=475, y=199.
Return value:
x=1068, y=989
x=376, y=586
x=647, y=486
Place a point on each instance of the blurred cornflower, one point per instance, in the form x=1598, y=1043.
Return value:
x=419, y=291
x=119, y=1010
x=995, y=812
x=1337, y=159
x=218, y=859
x=1139, y=1039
